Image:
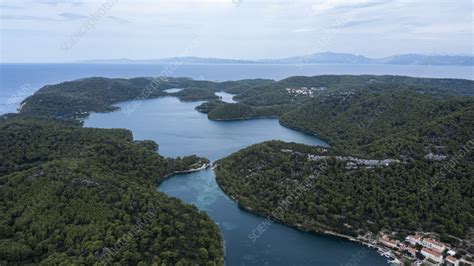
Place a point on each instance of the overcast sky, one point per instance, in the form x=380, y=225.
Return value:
x=53, y=30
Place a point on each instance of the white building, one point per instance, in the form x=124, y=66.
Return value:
x=451, y=252
x=414, y=239
x=432, y=255
x=433, y=244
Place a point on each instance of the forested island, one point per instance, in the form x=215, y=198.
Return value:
x=98, y=184
x=78, y=98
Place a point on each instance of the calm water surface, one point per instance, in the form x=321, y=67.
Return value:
x=180, y=130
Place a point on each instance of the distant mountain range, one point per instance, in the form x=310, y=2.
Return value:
x=188, y=60
x=318, y=58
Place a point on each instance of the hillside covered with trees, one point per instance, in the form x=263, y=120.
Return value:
x=423, y=132
x=387, y=124
x=318, y=189
x=257, y=97
x=73, y=195
x=280, y=97
x=78, y=98
x=422, y=126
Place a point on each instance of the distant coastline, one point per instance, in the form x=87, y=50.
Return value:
x=317, y=58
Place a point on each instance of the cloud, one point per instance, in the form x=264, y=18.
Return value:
x=363, y=4
x=117, y=19
x=357, y=23
x=58, y=2
x=256, y=29
x=64, y=16
x=22, y=17
x=72, y=16
x=338, y=5
x=2, y=6
x=302, y=30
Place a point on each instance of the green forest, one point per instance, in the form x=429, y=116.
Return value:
x=272, y=98
x=97, y=186
x=327, y=194
x=73, y=195
x=387, y=124
x=78, y=98
x=425, y=124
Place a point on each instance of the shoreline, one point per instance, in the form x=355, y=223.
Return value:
x=283, y=124
x=202, y=167
x=321, y=232
x=188, y=171
x=240, y=119
x=191, y=170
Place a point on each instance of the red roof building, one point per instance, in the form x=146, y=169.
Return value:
x=389, y=242
x=450, y=260
x=432, y=255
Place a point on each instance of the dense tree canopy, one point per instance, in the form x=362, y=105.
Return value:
x=427, y=124
x=83, y=196
x=72, y=193
x=76, y=99
x=389, y=123
x=350, y=199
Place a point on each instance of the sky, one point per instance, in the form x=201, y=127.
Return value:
x=71, y=30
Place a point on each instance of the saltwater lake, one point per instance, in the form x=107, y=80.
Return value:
x=180, y=130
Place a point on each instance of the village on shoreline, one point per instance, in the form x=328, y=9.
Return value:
x=418, y=249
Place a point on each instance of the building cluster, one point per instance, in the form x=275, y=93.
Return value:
x=354, y=162
x=433, y=250
x=305, y=91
